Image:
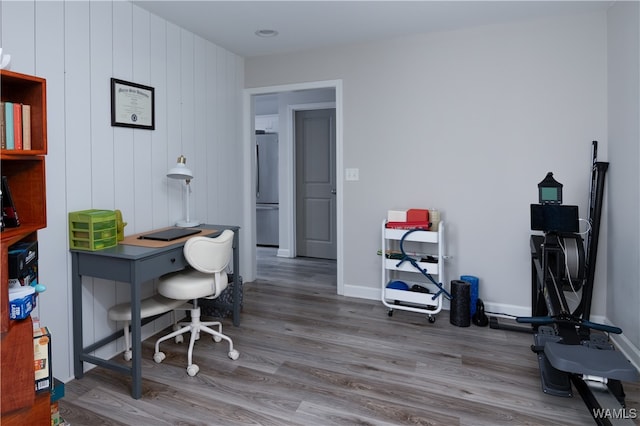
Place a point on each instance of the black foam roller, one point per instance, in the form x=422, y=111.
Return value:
x=460, y=303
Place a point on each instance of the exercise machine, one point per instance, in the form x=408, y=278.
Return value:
x=572, y=350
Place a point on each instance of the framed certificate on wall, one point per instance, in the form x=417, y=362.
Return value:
x=132, y=105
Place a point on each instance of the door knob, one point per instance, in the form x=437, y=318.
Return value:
x=333, y=191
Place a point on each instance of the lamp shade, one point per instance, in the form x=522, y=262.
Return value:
x=180, y=170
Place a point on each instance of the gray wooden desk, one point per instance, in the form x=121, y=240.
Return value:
x=134, y=265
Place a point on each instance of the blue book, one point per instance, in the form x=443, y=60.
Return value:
x=8, y=122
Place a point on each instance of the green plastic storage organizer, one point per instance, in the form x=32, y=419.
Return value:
x=92, y=229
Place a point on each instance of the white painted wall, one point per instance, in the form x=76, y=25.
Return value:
x=469, y=122
x=78, y=47
x=623, y=37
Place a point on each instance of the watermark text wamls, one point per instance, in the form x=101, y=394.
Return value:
x=615, y=413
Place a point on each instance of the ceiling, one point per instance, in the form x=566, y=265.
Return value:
x=305, y=24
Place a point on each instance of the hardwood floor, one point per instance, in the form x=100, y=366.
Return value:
x=310, y=357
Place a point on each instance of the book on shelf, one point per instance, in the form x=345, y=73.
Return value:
x=8, y=121
x=3, y=134
x=26, y=127
x=9, y=212
x=409, y=225
x=17, y=126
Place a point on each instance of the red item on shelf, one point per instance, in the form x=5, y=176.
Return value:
x=424, y=225
x=417, y=215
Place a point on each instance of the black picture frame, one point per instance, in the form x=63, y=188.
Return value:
x=132, y=105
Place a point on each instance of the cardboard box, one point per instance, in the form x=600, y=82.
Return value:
x=22, y=300
x=23, y=260
x=42, y=359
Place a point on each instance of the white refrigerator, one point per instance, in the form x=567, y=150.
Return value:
x=267, y=207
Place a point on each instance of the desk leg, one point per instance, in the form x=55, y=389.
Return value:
x=76, y=301
x=136, y=335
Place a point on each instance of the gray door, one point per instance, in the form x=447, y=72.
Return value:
x=315, y=144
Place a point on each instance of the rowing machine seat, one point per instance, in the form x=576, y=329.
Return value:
x=581, y=359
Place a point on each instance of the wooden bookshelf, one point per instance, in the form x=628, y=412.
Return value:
x=26, y=89
x=25, y=171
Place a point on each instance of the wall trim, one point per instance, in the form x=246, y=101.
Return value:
x=291, y=110
x=248, y=248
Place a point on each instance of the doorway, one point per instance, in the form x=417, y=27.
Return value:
x=287, y=241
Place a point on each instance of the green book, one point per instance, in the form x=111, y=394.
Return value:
x=8, y=125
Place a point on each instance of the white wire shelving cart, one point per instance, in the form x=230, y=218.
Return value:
x=413, y=270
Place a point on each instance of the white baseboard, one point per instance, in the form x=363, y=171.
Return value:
x=376, y=293
x=283, y=253
x=505, y=310
x=361, y=292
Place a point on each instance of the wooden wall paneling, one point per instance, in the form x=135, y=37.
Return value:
x=54, y=306
x=238, y=201
x=102, y=138
x=212, y=130
x=102, y=159
x=190, y=147
x=159, y=145
x=77, y=117
x=188, y=87
x=123, y=141
x=199, y=129
x=223, y=128
x=18, y=34
x=123, y=137
x=142, y=139
x=231, y=146
x=77, y=129
x=174, y=125
x=143, y=177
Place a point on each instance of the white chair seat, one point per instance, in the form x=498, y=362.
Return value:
x=191, y=284
x=154, y=305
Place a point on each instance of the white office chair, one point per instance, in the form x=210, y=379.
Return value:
x=209, y=258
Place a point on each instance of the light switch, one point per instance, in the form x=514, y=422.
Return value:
x=352, y=174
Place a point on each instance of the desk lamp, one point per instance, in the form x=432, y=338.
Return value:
x=181, y=172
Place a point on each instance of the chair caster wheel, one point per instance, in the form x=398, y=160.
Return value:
x=192, y=370
x=179, y=338
x=217, y=339
x=158, y=357
x=234, y=354
x=127, y=355
x=390, y=312
x=431, y=319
